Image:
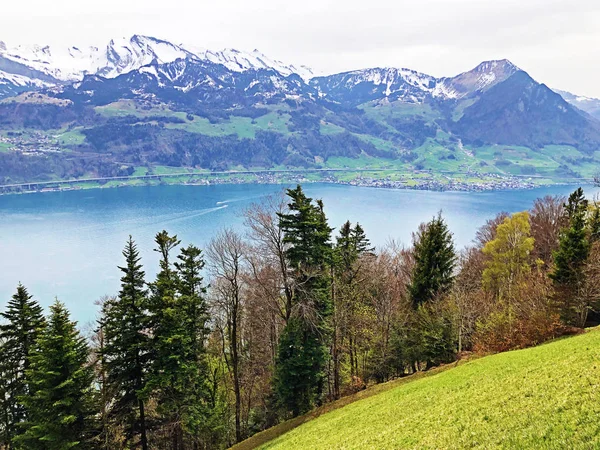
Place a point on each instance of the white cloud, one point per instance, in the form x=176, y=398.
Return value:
x=556, y=41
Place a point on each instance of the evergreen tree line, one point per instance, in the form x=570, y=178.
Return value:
x=290, y=317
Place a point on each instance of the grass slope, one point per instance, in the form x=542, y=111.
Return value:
x=543, y=397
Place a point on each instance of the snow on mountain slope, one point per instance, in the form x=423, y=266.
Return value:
x=411, y=86
x=588, y=104
x=127, y=54
x=364, y=85
x=13, y=84
x=239, y=61
x=73, y=63
x=482, y=77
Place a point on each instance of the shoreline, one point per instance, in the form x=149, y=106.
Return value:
x=425, y=181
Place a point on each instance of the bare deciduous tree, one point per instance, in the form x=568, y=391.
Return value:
x=226, y=262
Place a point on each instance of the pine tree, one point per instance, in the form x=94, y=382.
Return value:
x=167, y=339
x=572, y=253
x=351, y=244
x=178, y=314
x=302, y=355
x=59, y=404
x=195, y=407
x=126, y=350
x=594, y=224
x=435, y=260
x=23, y=323
x=573, y=246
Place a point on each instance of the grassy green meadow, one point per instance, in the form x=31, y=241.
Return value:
x=547, y=397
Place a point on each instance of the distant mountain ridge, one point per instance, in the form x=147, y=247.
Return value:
x=147, y=101
x=29, y=67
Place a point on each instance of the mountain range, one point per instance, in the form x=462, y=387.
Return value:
x=144, y=101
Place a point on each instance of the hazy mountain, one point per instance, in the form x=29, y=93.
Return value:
x=520, y=111
x=587, y=104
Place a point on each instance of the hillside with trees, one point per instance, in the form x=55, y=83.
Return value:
x=287, y=315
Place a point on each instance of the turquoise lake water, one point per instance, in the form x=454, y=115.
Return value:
x=68, y=244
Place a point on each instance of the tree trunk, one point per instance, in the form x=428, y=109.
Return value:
x=236, y=376
x=335, y=350
x=143, y=437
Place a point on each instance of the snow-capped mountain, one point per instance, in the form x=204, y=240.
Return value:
x=40, y=66
x=195, y=83
x=239, y=61
x=410, y=86
x=481, y=78
x=26, y=68
x=360, y=86
x=296, y=118
x=73, y=63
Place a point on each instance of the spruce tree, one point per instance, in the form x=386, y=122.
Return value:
x=167, y=339
x=23, y=322
x=435, y=260
x=126, y=350
x=573, y=251
x=178, y=316
x=195, y=407
x=573, y=247
x=302, y=355
x=594, y=224
x=59, y=401
x=351, y=244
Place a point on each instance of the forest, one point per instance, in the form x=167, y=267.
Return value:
x=287, y=314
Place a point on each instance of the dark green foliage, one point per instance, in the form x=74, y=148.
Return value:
x=573, y=251
x=574, y=246
x=428, y=338
x=435, y=260
x=59, y=402
x=594, y=224
x=126, y=352
x=178, y=321
x=306, y=231
x=196, y=407
x=350, y=244
x=300, y=366
x=23, y=322
x=303, y=346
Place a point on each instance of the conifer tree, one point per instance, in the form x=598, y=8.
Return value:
x=195, y=407
x=302, y=355
x=573, y=252
x=178, y=313
x=23, y=323
x=435, y=260
x=167, y=339
x=351, y=244
x=59, y=401
x=126, y=350
x=594, y=224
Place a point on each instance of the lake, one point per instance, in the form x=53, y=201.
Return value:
x=67, y=245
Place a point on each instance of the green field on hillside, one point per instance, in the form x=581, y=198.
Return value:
x=544, y=397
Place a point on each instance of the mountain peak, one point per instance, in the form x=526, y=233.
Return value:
x=485, y=75
x=496, y=65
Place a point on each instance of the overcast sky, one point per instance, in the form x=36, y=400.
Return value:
x=556, y=41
